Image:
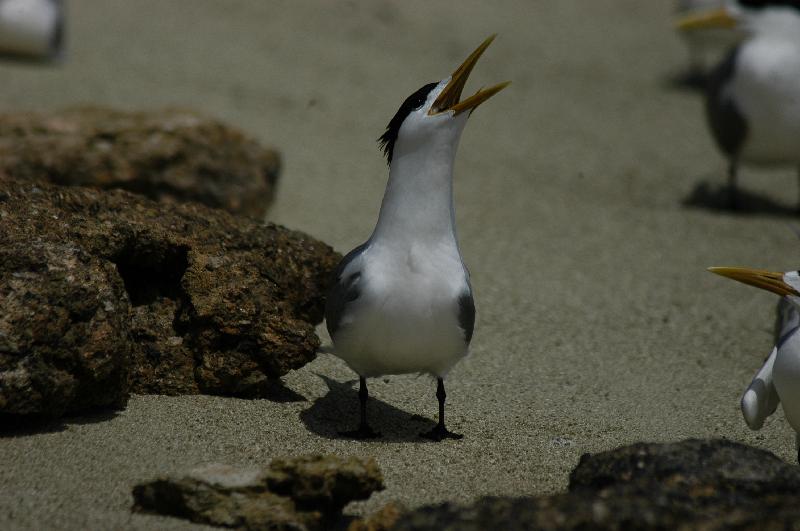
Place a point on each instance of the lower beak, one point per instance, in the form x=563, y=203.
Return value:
x=768, y=280
x=448, y=100
x=716, y=18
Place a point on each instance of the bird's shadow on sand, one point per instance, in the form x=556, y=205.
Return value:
x=276, y=391
x=337, y=412
x=715, y=197
x=22, y=426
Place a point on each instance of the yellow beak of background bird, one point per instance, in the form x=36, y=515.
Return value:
x=768, y=280
x=715, y=18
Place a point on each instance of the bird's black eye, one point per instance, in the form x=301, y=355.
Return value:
x=412, y=103
x=418, y=101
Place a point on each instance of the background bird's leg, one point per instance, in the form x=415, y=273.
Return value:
x=364, y=431
x=733, y=193
x=440, y=431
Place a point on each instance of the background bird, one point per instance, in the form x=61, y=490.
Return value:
x=402, y=301
x=31, y=29
x=778, y=380
x=753, y=95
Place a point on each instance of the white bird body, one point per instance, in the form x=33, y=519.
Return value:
x=407, y=319
x=402, y=301
x=766, y=90
x=31, y=28
x=786, y=369
x=753, y=96
x=411, y=274
x=760, y=399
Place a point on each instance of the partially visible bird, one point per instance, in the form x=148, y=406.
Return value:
x=778, y=380
x=31, y=29
x=402, y=301
x=753, y=96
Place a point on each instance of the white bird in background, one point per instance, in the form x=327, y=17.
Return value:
x=753, y=96
x=778, y=380
x=402, y=301
x=706, y=47
x=31, y=29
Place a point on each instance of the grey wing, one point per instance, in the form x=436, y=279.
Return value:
x=466, y=312
x=343, y=291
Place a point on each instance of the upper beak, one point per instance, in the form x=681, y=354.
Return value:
x=759, y=278
x=715, y=18
x=448, y=99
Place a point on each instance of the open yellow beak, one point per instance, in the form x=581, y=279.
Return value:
x=716, y=18
x=768, y=280
x=448, y=99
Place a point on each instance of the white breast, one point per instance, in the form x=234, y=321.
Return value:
x=406, y=318
x=786, y=375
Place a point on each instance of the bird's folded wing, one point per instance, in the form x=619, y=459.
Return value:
x=345, y=288
x=760, y=399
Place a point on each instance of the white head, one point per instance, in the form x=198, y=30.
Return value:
x=433, y=117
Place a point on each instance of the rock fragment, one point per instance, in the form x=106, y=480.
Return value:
x=170, y=155
x=694, y=484
x=301, y=493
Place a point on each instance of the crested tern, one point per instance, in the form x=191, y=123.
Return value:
x=402, y=301
x=753, y=95
x=778, y=380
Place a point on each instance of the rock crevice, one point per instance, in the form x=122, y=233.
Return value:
x=106, y=292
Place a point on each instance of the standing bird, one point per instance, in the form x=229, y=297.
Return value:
x=778, y=380
x=401, y=302
x=753, y=96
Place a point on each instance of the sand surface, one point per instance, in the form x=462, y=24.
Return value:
x=597, y=323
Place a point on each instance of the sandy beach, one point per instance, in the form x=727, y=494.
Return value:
x=597, y=324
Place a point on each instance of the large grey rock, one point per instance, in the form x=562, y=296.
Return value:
x=302, y=493
x=105, y=291
x=695, y=484
x=171, y=155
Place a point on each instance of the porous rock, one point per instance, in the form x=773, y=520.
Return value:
x=100, y=288
x=168, y=155
x=694, y=484
x=301, y=493
x=383, y=519
x=63, y=330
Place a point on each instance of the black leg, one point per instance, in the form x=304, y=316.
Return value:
x=733, y=192
x=440, y=432
x=363, y=431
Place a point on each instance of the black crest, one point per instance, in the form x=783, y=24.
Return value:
x=412, y=103
x=759, y=4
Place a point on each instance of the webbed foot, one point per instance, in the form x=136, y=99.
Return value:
x=440, y=433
